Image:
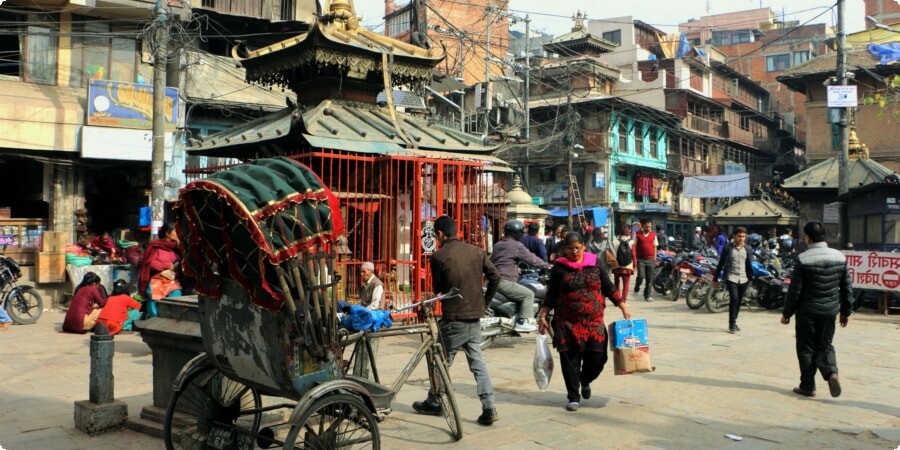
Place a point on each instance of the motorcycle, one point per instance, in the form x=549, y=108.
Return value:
x=765, y=290
x=665, y=265
x=21, y=302
x=500, y=315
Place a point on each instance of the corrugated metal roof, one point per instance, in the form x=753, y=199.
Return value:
x=755, y=212
x=218, y=80
x=403, y=99
x=825, y=175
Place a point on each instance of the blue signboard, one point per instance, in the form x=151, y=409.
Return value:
x=127, y=105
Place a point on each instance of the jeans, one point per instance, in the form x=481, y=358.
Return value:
x=523, y=296
x=466, y=336
x=580, y=368
x=735, y=294
x=4, y=318
x=814, y=349
x=645, y=274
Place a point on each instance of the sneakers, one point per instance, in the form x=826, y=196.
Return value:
x=637, y=286
x=648, y=299
x=427, y=408
x=733, y=328
x=525, y=326
x=834, y=385
x=585, y=391
x=800, y=391
x=572, y=406
x=488, y=416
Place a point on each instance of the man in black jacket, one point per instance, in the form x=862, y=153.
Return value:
x=820, y=289
x=735, y=267
x=459, y=265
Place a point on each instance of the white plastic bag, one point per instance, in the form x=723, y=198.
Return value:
x=543, y=362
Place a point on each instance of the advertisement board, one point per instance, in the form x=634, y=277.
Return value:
x=874, y=270
x=127, y=105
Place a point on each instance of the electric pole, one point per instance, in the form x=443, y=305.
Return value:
x=158, y=164
x=843, y=167
x=526, y=132
x=487, y=73
x=568, y=143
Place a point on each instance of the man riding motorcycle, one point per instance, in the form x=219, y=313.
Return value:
x=506, y=256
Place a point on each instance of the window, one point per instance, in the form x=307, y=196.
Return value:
x=638, y=140
x=731, y=37
x=40, y=52
x=399, y=23
x=96, y=55
x=613, y=36
x=654, y=149
x=777, y=63
x=801, y=57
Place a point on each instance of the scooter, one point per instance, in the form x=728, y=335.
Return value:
x=500, y=315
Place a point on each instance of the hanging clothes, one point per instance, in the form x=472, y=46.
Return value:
x=654, y=191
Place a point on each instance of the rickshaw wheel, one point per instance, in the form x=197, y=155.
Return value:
x=444, y=391
x=207, y=409
x=335, y=421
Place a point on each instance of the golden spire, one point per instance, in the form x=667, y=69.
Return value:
x=855, y=149
x=344, y=14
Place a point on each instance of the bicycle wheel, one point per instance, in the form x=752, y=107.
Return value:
x=25, y=306
x=443, y=389
x=717, y=299
x=211, y=411
x=335, y=421
x=696, y=297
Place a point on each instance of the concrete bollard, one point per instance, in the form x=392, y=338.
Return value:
x=101, y=411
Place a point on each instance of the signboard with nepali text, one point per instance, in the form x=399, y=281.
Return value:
x=127, y=105
x=874, y=270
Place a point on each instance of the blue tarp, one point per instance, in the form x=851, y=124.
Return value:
x=358, y=318
x=888, y=53
x=564, y=212
x=684, y=47
x=601, y=215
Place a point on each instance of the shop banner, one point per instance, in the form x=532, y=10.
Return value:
x=874, y=270
x=127, y=105
x=717, y=186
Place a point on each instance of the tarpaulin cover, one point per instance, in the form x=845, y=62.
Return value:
x=241, y=222
x=717, y=186
x=887, y=53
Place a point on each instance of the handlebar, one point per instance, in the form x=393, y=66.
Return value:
x=454, y=293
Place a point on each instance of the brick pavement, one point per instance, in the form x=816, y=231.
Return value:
x=707, y=383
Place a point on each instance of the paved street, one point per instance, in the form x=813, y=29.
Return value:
x=707, y=384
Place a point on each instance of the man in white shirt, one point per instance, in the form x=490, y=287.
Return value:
x=371, y=295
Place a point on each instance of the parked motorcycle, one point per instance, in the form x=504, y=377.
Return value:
x=766, y=290
x=500, y=316
x=21, y=302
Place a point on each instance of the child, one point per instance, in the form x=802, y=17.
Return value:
x=116, y=315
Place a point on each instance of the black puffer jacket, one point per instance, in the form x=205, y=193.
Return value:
x=820, y=284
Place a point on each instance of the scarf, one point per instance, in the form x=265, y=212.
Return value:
x=149, y=255
x=587, y=260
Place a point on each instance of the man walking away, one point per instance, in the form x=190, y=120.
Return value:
x=662, y=240
x=533, y=243
x=459, y=265
x=786, y=241
x=645, y=245
x=820, y=289
x=734, y=265
x=507, y=255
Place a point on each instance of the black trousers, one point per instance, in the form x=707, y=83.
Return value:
x=735, y=294
x=580, y=368
x=814, y=349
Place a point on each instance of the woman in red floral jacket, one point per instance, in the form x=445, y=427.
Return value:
x=578, y=284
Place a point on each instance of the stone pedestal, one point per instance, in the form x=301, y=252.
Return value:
x=174, y=339
x=93, y=418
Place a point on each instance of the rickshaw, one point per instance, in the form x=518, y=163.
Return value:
x=259, y=238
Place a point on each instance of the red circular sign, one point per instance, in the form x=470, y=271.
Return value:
x=890, y=279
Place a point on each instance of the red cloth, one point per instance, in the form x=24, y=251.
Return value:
x=82, y=304
x=116, y=309
x=159, y=255
x=109, y=246
x=643, y=245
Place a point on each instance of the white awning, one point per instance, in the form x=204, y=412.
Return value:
x=717, y=186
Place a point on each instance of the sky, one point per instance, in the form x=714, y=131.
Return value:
x=555, y=17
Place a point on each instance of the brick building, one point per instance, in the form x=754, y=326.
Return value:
x=885, y=11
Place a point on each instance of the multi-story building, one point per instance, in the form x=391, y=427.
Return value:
x=884, y=11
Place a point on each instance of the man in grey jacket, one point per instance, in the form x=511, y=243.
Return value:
x=820, y=289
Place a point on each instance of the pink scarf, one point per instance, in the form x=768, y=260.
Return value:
x=588, y=260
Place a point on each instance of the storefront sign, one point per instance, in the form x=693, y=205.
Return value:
x=645, y=207
x=599, y=180
x=537, y=201
x=874, y=270
x=121, y=144
x=127, y=105
x=892, y=204
x=841, y=97
x=832, y=213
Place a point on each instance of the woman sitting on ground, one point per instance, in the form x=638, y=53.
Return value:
x=120, y=310
x=87, y=301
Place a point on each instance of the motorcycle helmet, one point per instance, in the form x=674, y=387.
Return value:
x=514, y=229
x=773, y=244
x=755, y=240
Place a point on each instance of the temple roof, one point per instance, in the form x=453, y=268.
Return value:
x=579, y=41
x=755, y=212
x=825, y=175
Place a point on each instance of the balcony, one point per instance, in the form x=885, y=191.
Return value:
x=691, y=166
x=735, y=133
x=595, y=141
x=697, y=123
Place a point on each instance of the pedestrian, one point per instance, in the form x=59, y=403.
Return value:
x=120, y=310
x=506, y=257
x=734, y=266
x=697, y=240
x=662, y=241
x=459, y=265
x=576, y=291
x=820, y=289
x=598, y=243
x=553, y=242
x=158, y=277
x=371, y=296
x=720, y=242
x=84, y=309
x=786, y=241
x=645, y=245
x=533, y=243
x=622, y=274
x=5, y=321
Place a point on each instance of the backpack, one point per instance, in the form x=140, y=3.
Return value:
x=623, y=253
